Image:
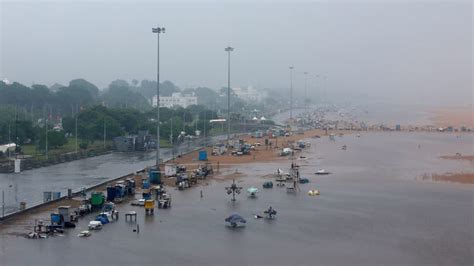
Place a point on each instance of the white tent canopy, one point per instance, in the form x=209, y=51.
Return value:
x=5, y=147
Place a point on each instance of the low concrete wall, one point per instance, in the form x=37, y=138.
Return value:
x=32, y=163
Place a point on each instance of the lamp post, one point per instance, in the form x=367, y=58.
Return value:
x=46, y=133
x=291, y=94
x=158, y=30
x=233, y=189
x=105, y=133
x=75, y=132
x=323, y=85
x=305, y=92
x=228, y=50
x=3, y=203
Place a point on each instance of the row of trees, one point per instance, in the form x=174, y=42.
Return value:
x=118, y=122
x=91, y=122
x=62, y=100
x=38, y=101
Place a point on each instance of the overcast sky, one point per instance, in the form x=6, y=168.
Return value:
x=400, y=50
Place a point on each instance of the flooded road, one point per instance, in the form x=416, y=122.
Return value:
x=372, y=211
x=29, y=185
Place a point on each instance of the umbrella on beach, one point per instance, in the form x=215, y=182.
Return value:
x=252, y=190
x=234, y=219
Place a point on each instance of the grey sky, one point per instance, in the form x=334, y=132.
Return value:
x=383, y=49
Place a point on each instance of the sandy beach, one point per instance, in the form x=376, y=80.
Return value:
x=261, y=153
x=464, y=178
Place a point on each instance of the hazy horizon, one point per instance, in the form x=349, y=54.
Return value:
x=402, y=52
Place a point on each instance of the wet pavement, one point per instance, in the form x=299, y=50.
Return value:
x=372, y=211
x=28, y=186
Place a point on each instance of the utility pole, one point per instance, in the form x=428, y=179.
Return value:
x=158, y=30
x=75, y=132
x=196, y=126
x=184, y=120
x=305, y=92
x=316, y=85
x=291, y=94
x=228, y=50
x=105, y=132
x=205, y=122
x=9, y=137
x=46, y=130
x=325, y=87
x=171, y=139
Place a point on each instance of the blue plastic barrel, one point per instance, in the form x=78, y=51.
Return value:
x=118, y=192
x=203, y=156
x=111, y=194
x=146, y=184
x=155, y=177
x=56, y=195
x=55, y=218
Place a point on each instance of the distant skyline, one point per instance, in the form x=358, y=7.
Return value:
x=395, y=50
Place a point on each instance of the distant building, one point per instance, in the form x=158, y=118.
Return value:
x=6, y=81
x=249, y=94
x=176, y=99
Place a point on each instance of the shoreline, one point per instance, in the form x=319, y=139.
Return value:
x=453, y=116
x=458, y=177
x=223, y=166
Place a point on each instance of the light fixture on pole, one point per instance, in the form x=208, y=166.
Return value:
x=228, y=50
x=158, y=30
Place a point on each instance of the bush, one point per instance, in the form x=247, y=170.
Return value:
x=83, y=145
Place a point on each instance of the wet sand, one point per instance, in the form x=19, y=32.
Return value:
x=465, y=178
x=261, y=153
x=469, y=158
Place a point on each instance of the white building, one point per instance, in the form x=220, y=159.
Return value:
x=249, y=94
x=176, y=99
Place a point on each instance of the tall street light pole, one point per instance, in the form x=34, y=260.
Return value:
x=305, y=92
x=75, y=131
x=325, y=86
x=158, y=30
x=317, y=86
x=228, y=50
x=291, y=94
x=46, y=132
x=105, y=133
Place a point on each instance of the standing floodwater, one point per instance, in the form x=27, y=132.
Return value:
x=372, y=211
